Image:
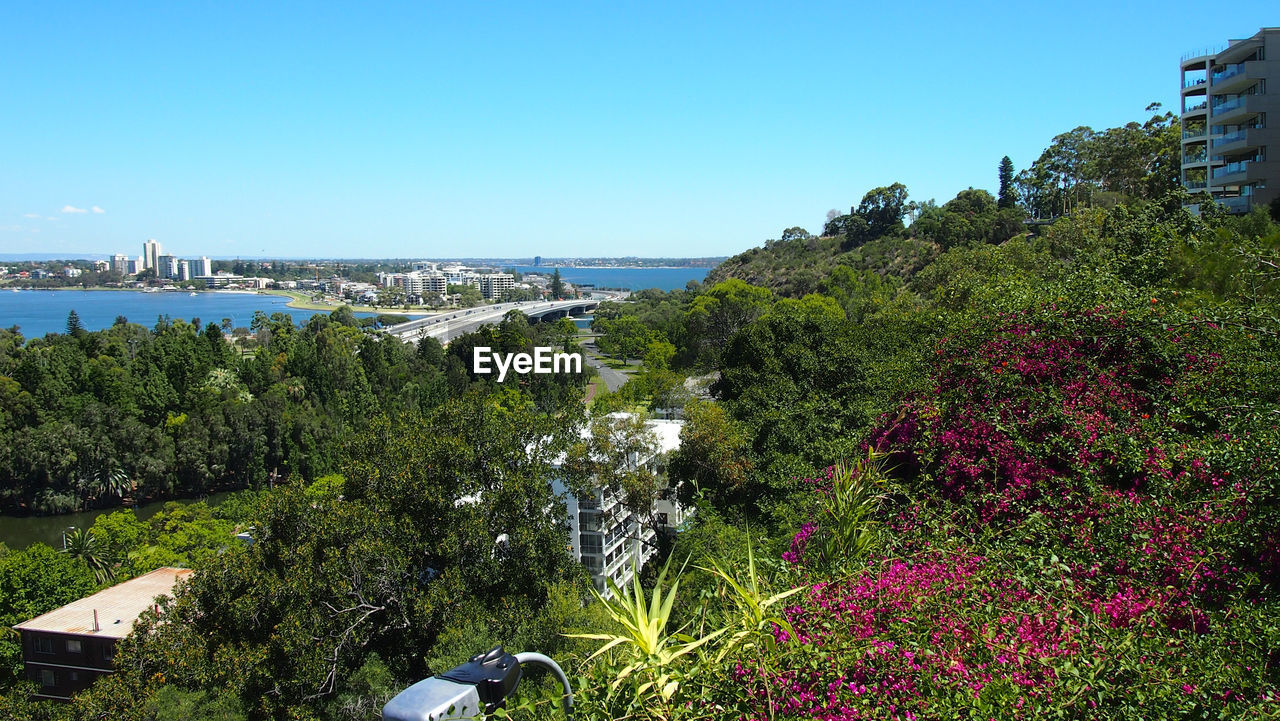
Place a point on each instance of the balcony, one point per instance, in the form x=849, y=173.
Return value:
x=1237, y=109
x=1192, y=83
x=1236, y=204
x=1194, y=155
x=1199, y=107
x=1231, y=173
x=1234, y=142
x=1237, y=77
x=1194, y=184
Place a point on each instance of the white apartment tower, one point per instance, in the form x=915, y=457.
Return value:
x=611, y=541
x=151, y=254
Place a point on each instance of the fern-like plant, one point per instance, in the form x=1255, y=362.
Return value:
x=747, y=593
x=653, y=651
x=848, y=527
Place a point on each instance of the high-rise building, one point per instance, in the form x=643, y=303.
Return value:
x=609, y=540
x=166, y=266
x=202, y=266
x=493, y=285
x=151, y=254
x=120, y=263
x=1225, y=133
x=184, y=270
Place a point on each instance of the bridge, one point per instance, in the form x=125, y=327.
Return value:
x=446, y=326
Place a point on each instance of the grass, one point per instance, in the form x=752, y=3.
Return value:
x=303, y=301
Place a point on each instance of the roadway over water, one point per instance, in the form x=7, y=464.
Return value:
x=444, y=327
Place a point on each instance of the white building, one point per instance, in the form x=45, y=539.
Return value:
x=166, y=266
x=607, y=538
x=420, y=283
x=151, y=254
x=493, y=285
x=201, y=266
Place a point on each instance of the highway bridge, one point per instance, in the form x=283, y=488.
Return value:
x=446, y=326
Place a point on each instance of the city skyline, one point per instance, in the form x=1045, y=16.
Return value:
x=575, y=131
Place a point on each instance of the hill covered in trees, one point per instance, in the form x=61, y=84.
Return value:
x=1081, y=169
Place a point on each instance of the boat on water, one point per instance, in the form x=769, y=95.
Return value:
x=193, y=294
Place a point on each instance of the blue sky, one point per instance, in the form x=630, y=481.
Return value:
x=557, y=129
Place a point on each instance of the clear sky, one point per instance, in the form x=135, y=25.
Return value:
x=449, y=129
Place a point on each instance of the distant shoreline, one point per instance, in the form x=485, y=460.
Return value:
x=299, y=301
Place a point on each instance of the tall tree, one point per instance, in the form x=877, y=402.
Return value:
x=74, y=326
x=883, y=209
x=557, y=286
x=1006, y=198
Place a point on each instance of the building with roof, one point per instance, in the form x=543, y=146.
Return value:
x=68, y=648
x=611, y=541
x=1226, y=136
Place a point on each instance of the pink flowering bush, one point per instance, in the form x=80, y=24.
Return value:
x=1081, y=523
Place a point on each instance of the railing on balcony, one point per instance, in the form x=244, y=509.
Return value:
x=1230, y=70
x=1229, y=138
x=1192, y=82
x=1226, y=105
x=1237, y=204
x=1238, y=166
x=1198, y=106
x=1194, y=184
x=1193, y=132
x=1199, y=157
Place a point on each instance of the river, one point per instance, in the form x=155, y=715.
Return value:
x=625, y=278
x=18, y=533
x=37, y=312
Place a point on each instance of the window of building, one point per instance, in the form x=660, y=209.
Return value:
x=73, y=646
x=75, y=675
x=44, y=645
x=108, y=652
x=48, y=678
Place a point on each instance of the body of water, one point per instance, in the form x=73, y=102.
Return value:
x=626, y=278
x=37, y=312
x=19, y=533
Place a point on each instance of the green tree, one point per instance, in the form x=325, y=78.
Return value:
x=618, y=457
x=1006, y=195
x=74, y=326
x=882, y=208
x=35, y=581
x=557, y=286
x=714, y=461
x=715, y=316
x=625, y=338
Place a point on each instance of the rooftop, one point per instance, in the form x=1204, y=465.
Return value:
x=118, y=607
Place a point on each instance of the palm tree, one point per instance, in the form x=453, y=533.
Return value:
x=114, y=482
x=81, y=543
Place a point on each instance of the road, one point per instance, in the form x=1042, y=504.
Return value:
x=444, y=327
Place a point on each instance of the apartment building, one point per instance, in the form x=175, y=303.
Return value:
x=151, y=253
x=1230, y=117
x=607, y=538
x=68, y=648
x=493, y=285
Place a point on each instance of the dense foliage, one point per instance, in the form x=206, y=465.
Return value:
x=89, y=418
